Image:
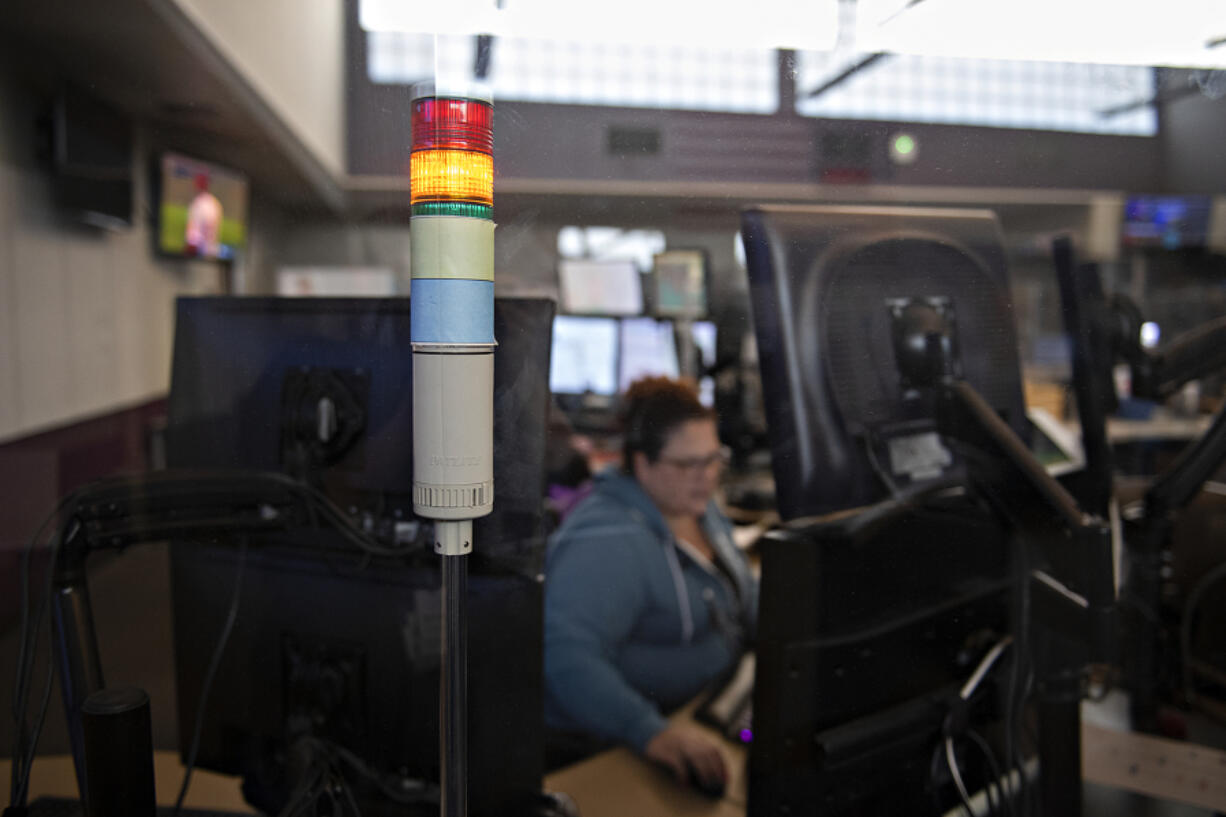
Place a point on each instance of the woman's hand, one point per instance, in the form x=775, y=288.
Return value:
x=681, y=749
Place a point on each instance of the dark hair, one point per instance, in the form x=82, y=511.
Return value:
x=652, y=409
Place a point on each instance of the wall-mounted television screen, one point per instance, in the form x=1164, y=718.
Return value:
x=202, y=211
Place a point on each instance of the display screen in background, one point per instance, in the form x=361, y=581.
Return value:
x=703, y=333
x=584, y=356
x=1170, y=222
x=600, y=287
x=203, y=209
x=648, y=347
x=680, y=284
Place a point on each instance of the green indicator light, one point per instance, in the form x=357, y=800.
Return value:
x=904, y=145
x=453, y=208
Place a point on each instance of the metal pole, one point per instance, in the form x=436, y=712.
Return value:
x=453, y=689
x=1058, y=693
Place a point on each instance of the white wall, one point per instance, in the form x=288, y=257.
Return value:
x=86, y=317
x=292, y=52
x=525, y=253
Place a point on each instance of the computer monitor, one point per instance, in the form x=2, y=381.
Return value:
x=863, y=644
x=590, y=287
x=680, y=278
x=823, y=281
x=1166, y=222
x=704, y=336
x=647, y=347
x=327, y=640
x=871, y=619
x=584, y=356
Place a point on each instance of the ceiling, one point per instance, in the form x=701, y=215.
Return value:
x=145, y=58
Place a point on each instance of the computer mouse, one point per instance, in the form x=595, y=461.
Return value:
x=714, y=790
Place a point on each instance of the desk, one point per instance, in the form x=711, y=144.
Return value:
x=618, y=782
x=1163, y=426
x=54, y=776
x=1173, y=778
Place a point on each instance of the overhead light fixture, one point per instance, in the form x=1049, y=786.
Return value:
x=1178, y=33
x=794, y=24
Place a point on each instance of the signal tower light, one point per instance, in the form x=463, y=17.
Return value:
x=451, y=175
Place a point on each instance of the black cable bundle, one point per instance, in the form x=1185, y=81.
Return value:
x=324, y=784
x=25, y=741
x=209, y=674
x=66, y=522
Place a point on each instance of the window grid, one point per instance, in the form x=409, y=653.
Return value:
x=681, y=77
x=611, y=244
x=941, y=90
x=997, y=93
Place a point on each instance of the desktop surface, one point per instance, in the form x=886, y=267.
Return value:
x=617, y=782
x=69, y=807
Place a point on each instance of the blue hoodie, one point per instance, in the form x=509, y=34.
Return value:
x=635, y=623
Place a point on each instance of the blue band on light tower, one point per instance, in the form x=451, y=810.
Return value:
x=451, y=311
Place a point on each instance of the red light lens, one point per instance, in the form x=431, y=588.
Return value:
x=453, y=124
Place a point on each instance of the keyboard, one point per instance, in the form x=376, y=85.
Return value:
x=729, y=707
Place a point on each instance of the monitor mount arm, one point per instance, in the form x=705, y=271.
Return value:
x=1110, y=330
x=117, y=512
x=1159, y=373
x=1103, y=331
x=1073, y=600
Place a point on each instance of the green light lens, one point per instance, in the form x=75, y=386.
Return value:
x=453, y=208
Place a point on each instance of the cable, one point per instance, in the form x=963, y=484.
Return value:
x=997, y=780
x=1016, y=695
x=968, y=689
x=38, y=729
x=934, y=782
x=322, y=778
x=305, y=793
x=214, y=663
x=353, y=803
x=318, y=501
x=25, y=648
x=23, y=757
x=957, y=775
x=402, y=791
x=26, y=739
x=985, y=664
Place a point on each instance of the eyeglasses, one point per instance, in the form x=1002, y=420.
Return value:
x=695, y=465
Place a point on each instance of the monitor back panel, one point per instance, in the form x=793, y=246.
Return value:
x=821, y=279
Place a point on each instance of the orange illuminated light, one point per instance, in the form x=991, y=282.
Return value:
x=451, y=175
